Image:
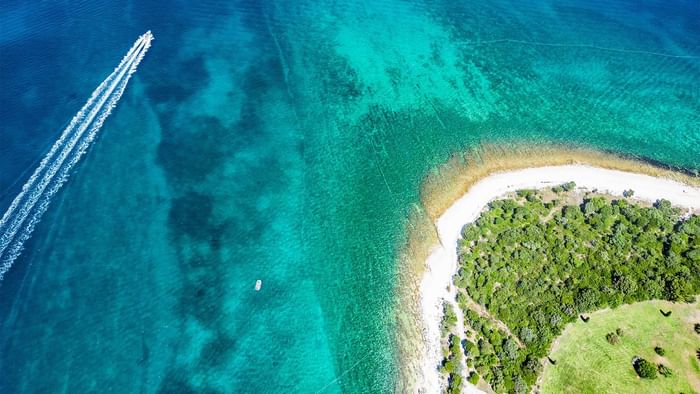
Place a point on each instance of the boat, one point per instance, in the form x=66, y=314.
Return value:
x=258, y=285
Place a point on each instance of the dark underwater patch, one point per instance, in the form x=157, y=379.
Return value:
x=192, y=152
x=189, y=152
x=176, y=382
x=217, y=351
x=177, y=81
x=190, y=214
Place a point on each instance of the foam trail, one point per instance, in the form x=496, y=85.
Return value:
x=33, y=193
x=26, y=209
x=77, y=119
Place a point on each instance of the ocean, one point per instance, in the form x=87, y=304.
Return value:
x=286, y=141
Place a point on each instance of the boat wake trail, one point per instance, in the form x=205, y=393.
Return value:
x=32, y=201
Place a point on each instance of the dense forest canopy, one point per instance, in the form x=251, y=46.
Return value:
x=540, y=259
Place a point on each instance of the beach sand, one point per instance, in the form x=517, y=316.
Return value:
x=441, y=263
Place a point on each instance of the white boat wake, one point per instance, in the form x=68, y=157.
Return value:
x=26, y=209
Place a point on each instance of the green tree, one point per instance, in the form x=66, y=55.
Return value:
x=470, y=349
x=449, y=318
x=527, y=335
x=449, y=365
x=510, y=347
x=694, y=254
x=454, y=384
x=586, y=299
x=644, y=368
x=531, y=368
x=568, y=186
x=497, y=382
x=519, y=385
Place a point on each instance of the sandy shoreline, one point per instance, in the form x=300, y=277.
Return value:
x=441, y=264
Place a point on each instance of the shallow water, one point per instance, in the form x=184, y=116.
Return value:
x=286, y=141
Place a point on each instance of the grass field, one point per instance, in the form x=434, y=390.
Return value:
x=587, y=363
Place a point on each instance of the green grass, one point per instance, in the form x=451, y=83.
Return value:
x=587, y=363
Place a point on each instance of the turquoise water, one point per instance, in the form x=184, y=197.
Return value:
x=286, y=141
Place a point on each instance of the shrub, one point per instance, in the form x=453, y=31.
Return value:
x=497, y=383
x=568, y=186
x=461, y=297
x=519, y=385
x=619, y=332
x=628, y=193
x=449, y=366
x=612, y=338
x=531, y=368
x=449, y=318
x=528, y=194
x=644, y=368
x=694, y=255
x=510, y=347
x=473, y=378
x=470, y=349
x=660, y=351
x=455, y=384
x=697, y=328
x=455, y=347
x=664, y=370
x=527, y=335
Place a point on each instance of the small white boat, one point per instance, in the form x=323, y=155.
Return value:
x=258, y=285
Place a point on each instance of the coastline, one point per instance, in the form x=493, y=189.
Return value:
x=469, y=187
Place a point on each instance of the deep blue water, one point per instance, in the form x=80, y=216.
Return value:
x=286, y=141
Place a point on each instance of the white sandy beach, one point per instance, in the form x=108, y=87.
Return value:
x=442, y=262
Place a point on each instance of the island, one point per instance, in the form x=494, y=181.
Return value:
x=541, y=272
